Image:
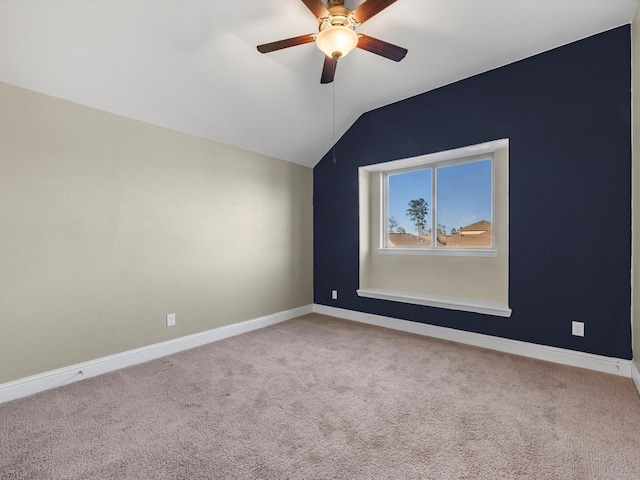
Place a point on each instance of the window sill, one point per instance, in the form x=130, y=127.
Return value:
x=441, y=252
x=452, y=303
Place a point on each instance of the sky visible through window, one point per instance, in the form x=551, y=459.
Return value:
x=464, y=195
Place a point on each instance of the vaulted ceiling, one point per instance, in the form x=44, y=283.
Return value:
x=193, y=66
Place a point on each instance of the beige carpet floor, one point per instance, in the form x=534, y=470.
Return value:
x=322, y=398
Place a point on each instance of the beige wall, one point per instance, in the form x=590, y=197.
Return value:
x=108, y=224
x=635, y=140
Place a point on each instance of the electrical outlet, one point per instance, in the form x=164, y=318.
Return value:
x=334, y=294
x=577, y=329
x=171, y=320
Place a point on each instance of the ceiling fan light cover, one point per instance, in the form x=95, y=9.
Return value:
x=337, y=41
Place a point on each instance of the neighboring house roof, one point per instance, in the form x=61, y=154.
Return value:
x=475, y=235
x=481, y=226
x=408, y=240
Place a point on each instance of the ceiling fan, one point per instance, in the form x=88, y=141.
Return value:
x=336, y=35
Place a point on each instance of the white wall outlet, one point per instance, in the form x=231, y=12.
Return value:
x=171, y=320
x=334, y=294
x=577, y=329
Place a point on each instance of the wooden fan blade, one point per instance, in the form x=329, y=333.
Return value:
x=384, y=49
x=318, y=8
x=369, y=8
x=328, y=69
x=289, y=42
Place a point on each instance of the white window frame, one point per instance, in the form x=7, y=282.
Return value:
x=433, y=249
x=434, y=161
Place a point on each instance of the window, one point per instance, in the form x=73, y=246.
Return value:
x=466, y=198
x=442, y=205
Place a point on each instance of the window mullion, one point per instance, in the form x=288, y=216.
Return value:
x=434, y=196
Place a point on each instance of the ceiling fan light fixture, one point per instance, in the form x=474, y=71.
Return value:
x=337, y=41
x=336, y=35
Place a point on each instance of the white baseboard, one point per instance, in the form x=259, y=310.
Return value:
x=73, y=373
x=563, y=356
x=635, y=375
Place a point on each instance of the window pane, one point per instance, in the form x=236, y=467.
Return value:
x=409, y=209
x=464, y=205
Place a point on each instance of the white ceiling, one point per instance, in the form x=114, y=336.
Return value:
x=194, y=67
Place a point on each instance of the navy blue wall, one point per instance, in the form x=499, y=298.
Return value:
x=567, y=113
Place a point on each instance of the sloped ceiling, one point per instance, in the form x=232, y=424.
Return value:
x=194, y=67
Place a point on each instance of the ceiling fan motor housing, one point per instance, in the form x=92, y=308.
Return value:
x=339, y=15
